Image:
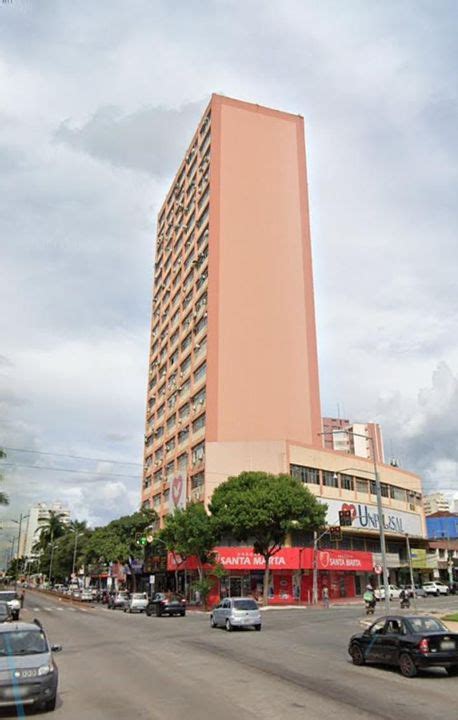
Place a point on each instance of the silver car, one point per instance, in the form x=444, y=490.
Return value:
x=236, y=612
x=14, y=604
x=137, y=603
x=28, y=673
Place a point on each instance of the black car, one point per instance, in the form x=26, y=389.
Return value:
x=411, y=642
x=166, y=604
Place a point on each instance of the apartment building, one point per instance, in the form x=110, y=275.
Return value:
x=360, y=439
x=233, y=344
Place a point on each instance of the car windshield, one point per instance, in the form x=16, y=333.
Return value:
x=425, y=625
x=245, y=605
x=23, y=642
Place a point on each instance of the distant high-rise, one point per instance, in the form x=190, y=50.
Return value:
x=233, y=356
x=360, y=439
x=435, y=503
x=38, y=514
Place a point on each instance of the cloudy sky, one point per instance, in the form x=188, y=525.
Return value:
x=98, y=100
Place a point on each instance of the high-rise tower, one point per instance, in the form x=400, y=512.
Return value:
x=233, y=370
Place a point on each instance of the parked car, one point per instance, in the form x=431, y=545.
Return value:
x=419, y=591
x=86, y=595
x=166, y=604
x=5, y=612
x=118, y=600
x=34, y=681
x=436, y=588
x=394, y=592
x=236, y=612
x=10, y=597
x=138, y=602
x=408, y=642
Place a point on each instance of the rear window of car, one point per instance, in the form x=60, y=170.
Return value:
x=139, y=596
x=7, y=596
x=245, y=605
x=426, y=625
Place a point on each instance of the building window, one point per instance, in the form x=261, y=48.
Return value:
x=398, y=493
x=200, y=372
x=183, y=435
x=197, y=480
x=305, y=474
x=199, y=423
x=385, y=490
x=171, y=421
x=346, y=482
x=361, y=486
x=185, y=365
x=186, y=342
x=198, y=453
x=184, y=411
x=199, y=399
x=182, y=462
x=330, y=479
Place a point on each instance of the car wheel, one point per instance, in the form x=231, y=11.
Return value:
x=228, y=625
x=212, y=622
x=453, y=671
x=407, y=665
x=50, y=705
x=258, y=628
x=357, y=655
x=183, y=613
x=158, y=612
x=437, y=594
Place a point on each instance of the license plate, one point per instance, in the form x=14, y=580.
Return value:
x=447, y=645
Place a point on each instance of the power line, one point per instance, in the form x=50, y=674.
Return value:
x=74, y=457
x=70, y=470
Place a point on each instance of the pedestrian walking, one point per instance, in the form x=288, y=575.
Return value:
x=325, y=596
x=22, y=598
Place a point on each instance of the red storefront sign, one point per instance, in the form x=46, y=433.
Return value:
x=346, y=560
x=243, y=558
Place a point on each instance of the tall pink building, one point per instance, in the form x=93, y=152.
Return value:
x=233, y=370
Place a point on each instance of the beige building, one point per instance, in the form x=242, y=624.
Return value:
x=361, y=439
x=435, y=502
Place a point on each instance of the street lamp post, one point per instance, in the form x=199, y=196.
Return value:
x=378, y=491
x=316, y=540
x=77, y=535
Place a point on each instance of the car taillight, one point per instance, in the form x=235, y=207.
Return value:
x=424, y=646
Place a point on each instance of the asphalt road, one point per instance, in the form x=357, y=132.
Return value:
x=116, y=666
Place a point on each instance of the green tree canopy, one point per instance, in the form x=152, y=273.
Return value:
x=50, y=530
x=116, y=542
x=262, y=508
x=190, y=532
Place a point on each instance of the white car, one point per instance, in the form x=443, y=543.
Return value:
x=394, y=592
x=436, y=588
x=86, y=595
x=137, y=603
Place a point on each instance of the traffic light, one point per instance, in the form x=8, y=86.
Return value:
x=345, y=519
x=140, y=539
x=335, y=533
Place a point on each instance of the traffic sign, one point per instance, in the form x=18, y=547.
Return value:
x=378, y=569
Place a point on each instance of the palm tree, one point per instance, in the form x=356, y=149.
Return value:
x=4, y=500
x=51, y=529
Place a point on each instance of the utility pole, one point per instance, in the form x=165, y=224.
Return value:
x=315, y=569
x=409, y=556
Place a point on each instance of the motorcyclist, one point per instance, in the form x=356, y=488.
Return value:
x=404, y=598
x=369, y=598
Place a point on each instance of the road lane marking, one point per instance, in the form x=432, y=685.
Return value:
x=36, y=609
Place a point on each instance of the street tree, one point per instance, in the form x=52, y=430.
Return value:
x=190, y=532
x=117, y=541
x=262, y=508
x=50, y=530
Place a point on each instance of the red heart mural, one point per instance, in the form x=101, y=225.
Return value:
x=177, y=488
x=351, y=507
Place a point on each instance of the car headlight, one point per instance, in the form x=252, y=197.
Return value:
x=45, y=670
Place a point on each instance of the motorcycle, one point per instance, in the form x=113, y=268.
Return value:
x=370, y=607
x=405, y=603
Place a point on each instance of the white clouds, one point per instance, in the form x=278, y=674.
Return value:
x=99, y=101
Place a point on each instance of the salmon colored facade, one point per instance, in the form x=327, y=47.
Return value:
x=233, y=354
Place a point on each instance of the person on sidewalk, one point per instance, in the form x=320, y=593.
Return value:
x=325, y=596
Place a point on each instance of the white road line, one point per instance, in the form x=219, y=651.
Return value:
x=36, y=609
x=72, y=609
x=48, y=609
x=60, y=609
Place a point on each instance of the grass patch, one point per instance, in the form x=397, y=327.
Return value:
x=451, y=618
